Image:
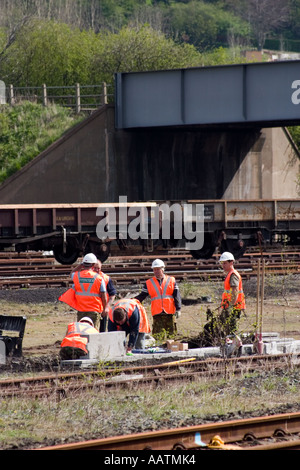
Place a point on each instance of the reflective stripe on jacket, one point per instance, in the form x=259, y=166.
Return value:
x=162, y=299
x=87, y=286
x=73, y=337
x=129, y=306
x=226, y=297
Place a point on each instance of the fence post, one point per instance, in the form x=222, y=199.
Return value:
x=45, y=95
x=78, y=108
x=104, y=93
x=11, y=94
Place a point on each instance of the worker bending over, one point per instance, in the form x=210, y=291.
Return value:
x=130, y=316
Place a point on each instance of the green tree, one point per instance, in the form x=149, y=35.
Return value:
x=47, y=52
x=141, y=49
x=55, y=54
x=204, y=25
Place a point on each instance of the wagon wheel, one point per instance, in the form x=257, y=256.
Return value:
x=68, y=257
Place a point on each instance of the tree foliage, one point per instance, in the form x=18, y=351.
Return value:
x=58, y=55
x=61, y=42
x=204, y=25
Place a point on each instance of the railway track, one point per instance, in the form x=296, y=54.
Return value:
x=17, y=271
x=277, y=432
x=69, y=383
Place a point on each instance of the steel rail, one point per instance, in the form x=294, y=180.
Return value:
x=121, y=280
x=200, y=436
x=185, y=369
x=56, y=276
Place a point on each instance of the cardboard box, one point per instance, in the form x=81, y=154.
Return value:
x=176, y=346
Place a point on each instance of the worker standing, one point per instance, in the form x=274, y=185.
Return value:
x=87, y=295
x=74, y=343
x=233, y=298
x=165, y=299
x=130, y=316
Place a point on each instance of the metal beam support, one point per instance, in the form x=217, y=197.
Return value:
x=266, y=94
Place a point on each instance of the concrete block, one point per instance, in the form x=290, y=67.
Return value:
x=287, y=346
x=213, y=351
x=2, y=352
x=281, y=346
x=270, y=348
x=106, y=346
x=270, y=336
x=296, y=346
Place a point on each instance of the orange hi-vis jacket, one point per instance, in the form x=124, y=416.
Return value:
x=226, y=297
x=162, y=299
x=73, y=337
x=84, y=296
x=129, y=306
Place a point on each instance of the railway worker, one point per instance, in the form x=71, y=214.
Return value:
x=233, y=298
x=130, y=316
x=165, y=299
x=88, y=293
x=110, y=292
x=74, y=344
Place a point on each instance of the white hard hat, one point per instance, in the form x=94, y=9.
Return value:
x=158, y=263
x=90, y=258
x=86, y=320
x=226, y=256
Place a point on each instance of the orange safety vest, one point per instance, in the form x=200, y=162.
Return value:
x=226, y=297
x=73, y=338
x=84, y=296
x=162, y=299
x=129, y=306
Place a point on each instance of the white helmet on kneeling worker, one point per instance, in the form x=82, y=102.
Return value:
x=87, y=320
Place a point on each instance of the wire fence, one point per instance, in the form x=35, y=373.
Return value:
x=78, y=97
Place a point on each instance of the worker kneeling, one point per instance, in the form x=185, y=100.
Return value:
x=130, y=316
x=73, y=346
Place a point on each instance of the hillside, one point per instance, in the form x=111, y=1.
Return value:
x=27, y=129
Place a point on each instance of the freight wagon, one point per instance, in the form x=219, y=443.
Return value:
x=71, y=230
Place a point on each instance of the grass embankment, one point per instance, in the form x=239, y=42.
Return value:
x=27, y=129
